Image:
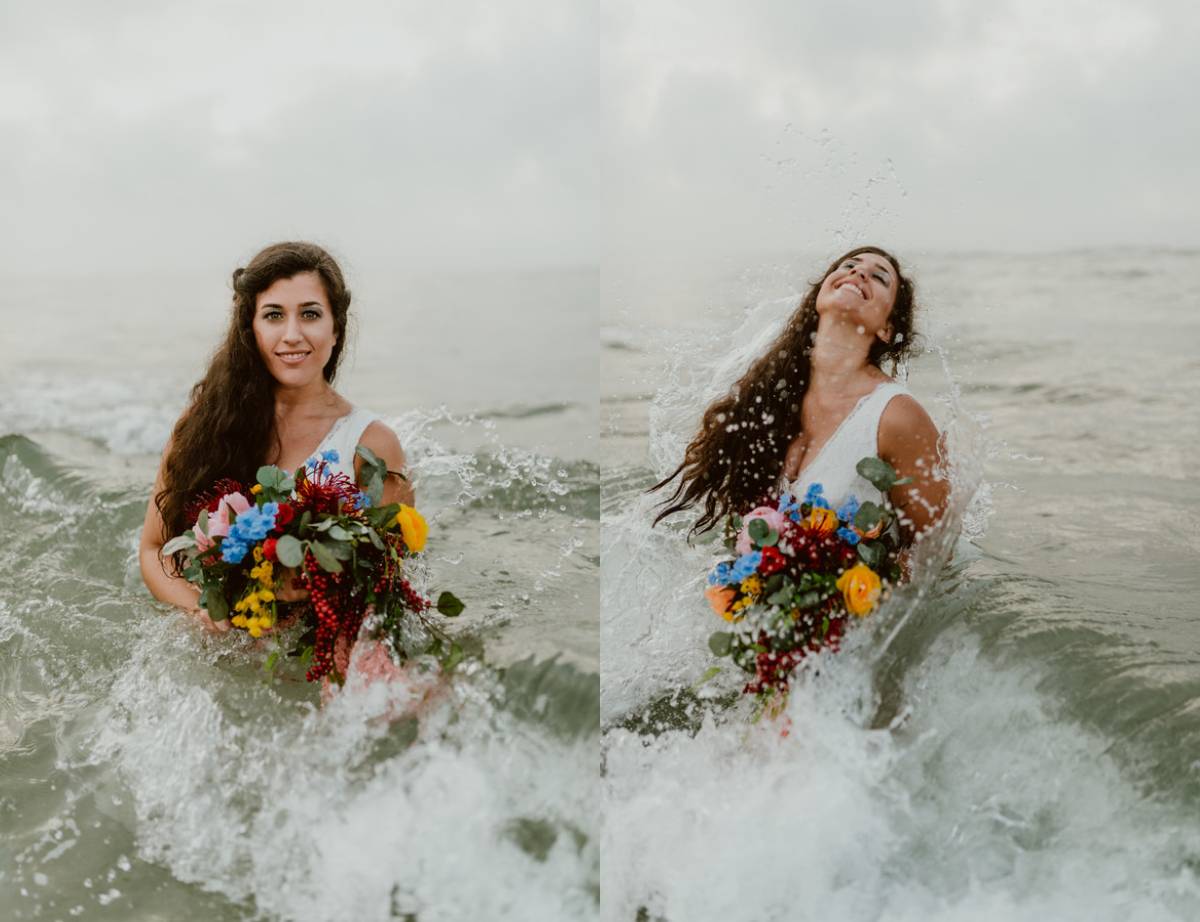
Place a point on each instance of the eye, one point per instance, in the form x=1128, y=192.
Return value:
x=879, y=278
x=316, y=315
x=273, y=315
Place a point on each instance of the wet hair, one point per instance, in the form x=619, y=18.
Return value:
x=735, y=460
x=228, y=428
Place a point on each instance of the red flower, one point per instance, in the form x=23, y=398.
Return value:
x=284, y=515
x=269, y=549
x=772, y=561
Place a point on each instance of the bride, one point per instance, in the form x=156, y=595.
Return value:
x=816, y=403
x=266, y=398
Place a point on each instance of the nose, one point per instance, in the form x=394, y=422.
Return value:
x=291, y=332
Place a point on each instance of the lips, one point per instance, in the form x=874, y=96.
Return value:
x=854, y=285
x=292, y=358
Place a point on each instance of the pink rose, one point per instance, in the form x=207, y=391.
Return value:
x=218, y=522
x=773, y=517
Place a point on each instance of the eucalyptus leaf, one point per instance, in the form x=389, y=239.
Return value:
x=872, y=553
x=758, y=530
x=720, y=642
x=338, y=533
x=782, y=597
x=375, y=539
x=289, y=551
x=324, y=557
x=450, y=605
x=770, y=539
x=868, y=516
x=178, y=544
x=339, y=549
x=878, y=472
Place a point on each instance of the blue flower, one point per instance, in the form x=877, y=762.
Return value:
x=746, y=565
x=233, y=550
x=254, y=524
x=360, y=501
x=720, y=576
x=849, y=535
x=789, y=507
x=330, y=455
x=848, y=509
x=816, y=496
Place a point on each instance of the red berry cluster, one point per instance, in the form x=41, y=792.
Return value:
x=822, y=552
x=323, y=603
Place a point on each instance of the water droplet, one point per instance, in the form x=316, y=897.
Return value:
x=861, y=329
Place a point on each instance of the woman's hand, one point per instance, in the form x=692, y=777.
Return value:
x=210, y=626
x=288, y=591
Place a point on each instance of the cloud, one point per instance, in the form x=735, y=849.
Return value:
x=541, y=133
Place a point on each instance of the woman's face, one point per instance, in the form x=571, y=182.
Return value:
x=293, y=326
x=863, y=288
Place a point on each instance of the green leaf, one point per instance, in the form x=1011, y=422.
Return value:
x=375, y=539
x=758, y=530
x=339, y=549
x=305, y=519
x=771, y=539
x=202, y=521
x=289, y=551
x=720, y=642
x=878, y=472
x=709, y=674
x=872, y=553
x=338, y=533
x=270, y=476
x=781, y=597
x=269, y=665
x=868, y=516
x=178, y=544
x=324, y=557
x=213, y=601
x=453, y=658
x=372, y=474
x=450, y=605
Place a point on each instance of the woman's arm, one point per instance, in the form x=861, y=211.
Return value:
x=909, y=441
x=158, y=573
x=386, y=445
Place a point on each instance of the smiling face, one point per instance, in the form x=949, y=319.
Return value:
x=862, y=288
x=294, y=329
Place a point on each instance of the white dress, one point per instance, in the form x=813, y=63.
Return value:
x=345, y=436
x=856, y=438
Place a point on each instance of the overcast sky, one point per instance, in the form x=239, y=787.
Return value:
x=548, y=132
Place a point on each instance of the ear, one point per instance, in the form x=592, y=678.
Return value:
x=886, y=334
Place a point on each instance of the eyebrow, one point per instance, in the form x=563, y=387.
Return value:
x=876, y=266
x=305, y=304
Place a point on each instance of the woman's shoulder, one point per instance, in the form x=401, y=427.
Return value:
x=904, y=419
x=381, y=438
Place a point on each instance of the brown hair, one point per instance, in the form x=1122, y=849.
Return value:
x=228, y=427
x=735, y=459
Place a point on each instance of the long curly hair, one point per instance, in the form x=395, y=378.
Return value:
x=735, y=460
x=228, y=429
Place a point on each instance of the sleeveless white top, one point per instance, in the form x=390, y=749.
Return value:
x=344, y=438
x=856, y=438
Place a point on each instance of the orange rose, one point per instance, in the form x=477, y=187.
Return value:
x=721, y=599
x=860, y=587
x=822, y=521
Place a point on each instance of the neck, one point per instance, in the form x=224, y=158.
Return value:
x=839, y=354
x=292, y=401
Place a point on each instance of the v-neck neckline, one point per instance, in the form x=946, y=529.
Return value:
x=838, y=431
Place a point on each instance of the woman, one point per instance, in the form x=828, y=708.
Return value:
x=266, y=398
x=816, y=403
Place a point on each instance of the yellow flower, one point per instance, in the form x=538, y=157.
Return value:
x=266, y=595
x=256, y=489
x=239, y=620
x=258, y=555
x=822, y=520
x=752, y=586
x=413, y=527
x=263, y=572
x=860, y=587
x=255, y=628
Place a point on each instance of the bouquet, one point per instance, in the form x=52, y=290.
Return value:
x=803, y=570
x=348, y=551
